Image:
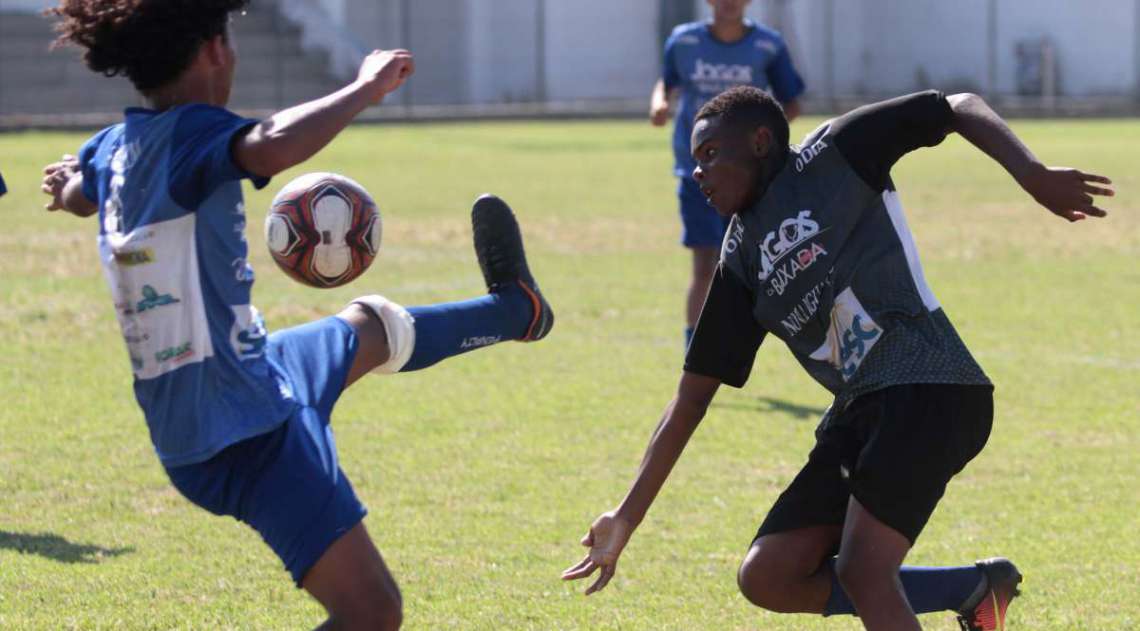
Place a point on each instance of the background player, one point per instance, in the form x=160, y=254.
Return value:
x=702, y=59
x=819, y=255
x=240, y=420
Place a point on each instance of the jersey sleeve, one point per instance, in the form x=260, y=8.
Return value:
x=669, y=73
x=202, y=153
x=3, y=188
x=873, y=137
x=727, y=337
x=86, y=159
x=787, y=85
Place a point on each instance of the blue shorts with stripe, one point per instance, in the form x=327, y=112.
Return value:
x=287, y=483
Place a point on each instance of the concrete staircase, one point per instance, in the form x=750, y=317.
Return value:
x=273, y=71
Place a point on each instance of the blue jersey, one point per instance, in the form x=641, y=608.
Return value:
x=3, y=189
x=172, y=244
x=703, y=67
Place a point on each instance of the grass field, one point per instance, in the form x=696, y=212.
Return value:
x=481, y=474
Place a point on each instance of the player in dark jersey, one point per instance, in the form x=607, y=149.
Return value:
x=818, y=254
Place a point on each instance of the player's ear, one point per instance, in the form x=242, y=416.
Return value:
x=761, y=142
x=216, y=49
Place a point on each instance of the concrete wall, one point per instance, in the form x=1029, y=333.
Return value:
x=874, y=47
x=509, y=51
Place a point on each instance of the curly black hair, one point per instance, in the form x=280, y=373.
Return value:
x=746, y=105
x=150, y=41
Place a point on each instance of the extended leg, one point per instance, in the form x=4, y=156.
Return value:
x=394, y=339
x=704, y=264
x=352, y=583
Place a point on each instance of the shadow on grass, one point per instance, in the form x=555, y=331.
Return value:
x=769, y=404
x=56, y=547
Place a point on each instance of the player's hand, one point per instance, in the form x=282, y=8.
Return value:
x=384, y=71
x=1067, y=193
x=659, y=114
x=606, y=539
x=56, y=176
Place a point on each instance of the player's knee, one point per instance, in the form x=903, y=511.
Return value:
x=760, y=584
x=863, y=578
x=378, y=610
x=399, y=328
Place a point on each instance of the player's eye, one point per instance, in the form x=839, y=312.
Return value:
x=710, y=153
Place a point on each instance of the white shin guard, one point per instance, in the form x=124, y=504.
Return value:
x=400, y=327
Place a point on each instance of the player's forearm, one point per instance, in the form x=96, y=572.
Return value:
x=74, y=201
x=792, y=110
x=659, y=98
x=294, y=135
x=677, y=425
x=975, y=121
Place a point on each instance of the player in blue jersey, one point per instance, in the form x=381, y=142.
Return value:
x=3, y=189
x=702, y=59
x=240, y=418
x=819, y=255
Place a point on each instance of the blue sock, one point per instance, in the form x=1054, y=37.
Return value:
x=452, y=328
x=688, y=336
x=927, y=588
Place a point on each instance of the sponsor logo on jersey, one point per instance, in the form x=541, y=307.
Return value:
x=248, y=335
x=152, y=299
x=175, y=353
x=735, y=237
x=705, y=72
x=809, y=154
x=855, y=343
x=130, y=258
x=850, y=337
x=791, y=268
x=480, y=340
x=243, y=271
x=782, y=241
x=805, y=309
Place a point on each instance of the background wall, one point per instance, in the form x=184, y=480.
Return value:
x=604, y=55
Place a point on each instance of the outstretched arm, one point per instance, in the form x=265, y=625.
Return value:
x=292, y=136
x=64, y=183
x=611, y=531
x=1065, y=192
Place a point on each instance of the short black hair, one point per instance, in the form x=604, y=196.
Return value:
x=150, y=41
x=750, y=107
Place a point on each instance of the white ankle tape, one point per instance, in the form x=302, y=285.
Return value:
x=400, y=327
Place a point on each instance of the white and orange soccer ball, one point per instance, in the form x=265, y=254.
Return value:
x=323, y=229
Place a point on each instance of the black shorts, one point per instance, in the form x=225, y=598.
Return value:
x=894, y=450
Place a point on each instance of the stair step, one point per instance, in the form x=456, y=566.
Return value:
x=273, y=70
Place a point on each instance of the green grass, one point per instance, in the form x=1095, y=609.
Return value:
x=482, y=473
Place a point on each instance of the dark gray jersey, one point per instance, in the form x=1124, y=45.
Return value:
x=825, y=262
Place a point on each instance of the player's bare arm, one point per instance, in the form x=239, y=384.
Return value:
x=792, y=110
x=1065, y=192
x=64, y=183
x=611, y=531
x=292, y=136
x=659, y=103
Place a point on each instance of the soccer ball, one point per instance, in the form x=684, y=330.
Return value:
x=323, y=229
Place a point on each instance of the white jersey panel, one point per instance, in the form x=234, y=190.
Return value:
x=898, y=220
x=153, y=274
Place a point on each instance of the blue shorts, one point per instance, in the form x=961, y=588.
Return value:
x=286, y=483
x=701, y=226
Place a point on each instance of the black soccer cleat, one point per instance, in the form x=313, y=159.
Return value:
x=499, y=248
x=988, y=613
